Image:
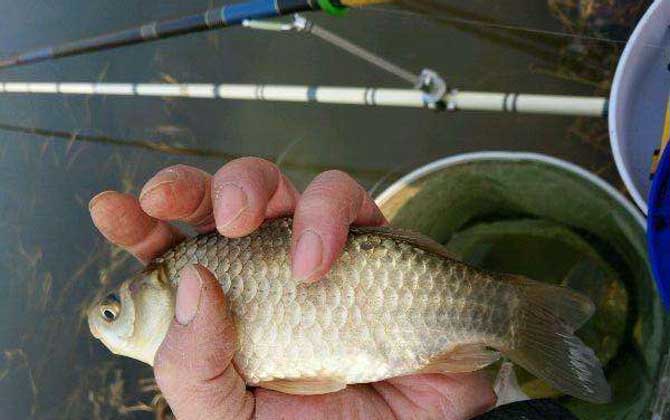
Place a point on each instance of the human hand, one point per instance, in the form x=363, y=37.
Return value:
x=193, y=366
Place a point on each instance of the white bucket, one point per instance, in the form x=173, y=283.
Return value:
x=638, y=100
x=449, y=198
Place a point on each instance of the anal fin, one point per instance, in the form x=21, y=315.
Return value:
x=304, y=386
x=462, y=358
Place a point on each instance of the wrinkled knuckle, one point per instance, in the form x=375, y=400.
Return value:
x=180, y=167
x=327, y=189
x=335, y=175
x=250, y=162
x=320, y=203
x=254, y=159
x=329, y=202
x=223, y=171
x=257, y=173
x=338, y=184
x=177, y=171
x=232, y=167
x=317, y=191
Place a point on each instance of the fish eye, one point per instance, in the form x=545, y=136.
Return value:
x=108, y=314
x=110, y=307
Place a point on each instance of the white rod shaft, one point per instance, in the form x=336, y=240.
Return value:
x=333, y=95
x=527, y=103
x=455, y=100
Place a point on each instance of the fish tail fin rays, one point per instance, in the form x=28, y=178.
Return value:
x=573, y=308
x=545, y=344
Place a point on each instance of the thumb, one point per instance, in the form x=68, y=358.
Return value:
x=193, y=365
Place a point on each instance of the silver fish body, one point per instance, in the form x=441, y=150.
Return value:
x=393, y=304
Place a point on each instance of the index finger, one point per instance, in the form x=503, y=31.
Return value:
x=121, y=220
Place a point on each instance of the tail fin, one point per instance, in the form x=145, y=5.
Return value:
x=545, y=343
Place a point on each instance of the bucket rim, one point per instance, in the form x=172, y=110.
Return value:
x=449, y=161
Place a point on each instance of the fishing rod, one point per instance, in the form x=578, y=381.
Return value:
x=214, y=18
x=435, y=97
x=429, y=89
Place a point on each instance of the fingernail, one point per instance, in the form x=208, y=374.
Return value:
x=160, y=179
x=94, y=200
x=188, y=295
x=233, y=202
x=308, y=255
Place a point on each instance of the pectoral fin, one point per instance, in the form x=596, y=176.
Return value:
x=304, y=386
x=462, y=358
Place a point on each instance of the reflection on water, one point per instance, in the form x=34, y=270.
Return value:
x=56, y=153
x=176, y=149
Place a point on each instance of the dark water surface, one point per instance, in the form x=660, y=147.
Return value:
x=52, y=259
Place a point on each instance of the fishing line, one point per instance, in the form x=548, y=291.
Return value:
x=509, y=27
x=363, y=54
x=303, y=25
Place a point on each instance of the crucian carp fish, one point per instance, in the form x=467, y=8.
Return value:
x=395, y=303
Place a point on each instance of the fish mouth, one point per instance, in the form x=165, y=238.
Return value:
x=91, y=311
x=91, y=317
x=92, y=326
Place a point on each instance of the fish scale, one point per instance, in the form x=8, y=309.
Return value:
x=394, y=303
x=362, y=306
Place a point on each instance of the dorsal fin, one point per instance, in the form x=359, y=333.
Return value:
x=417, y=239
